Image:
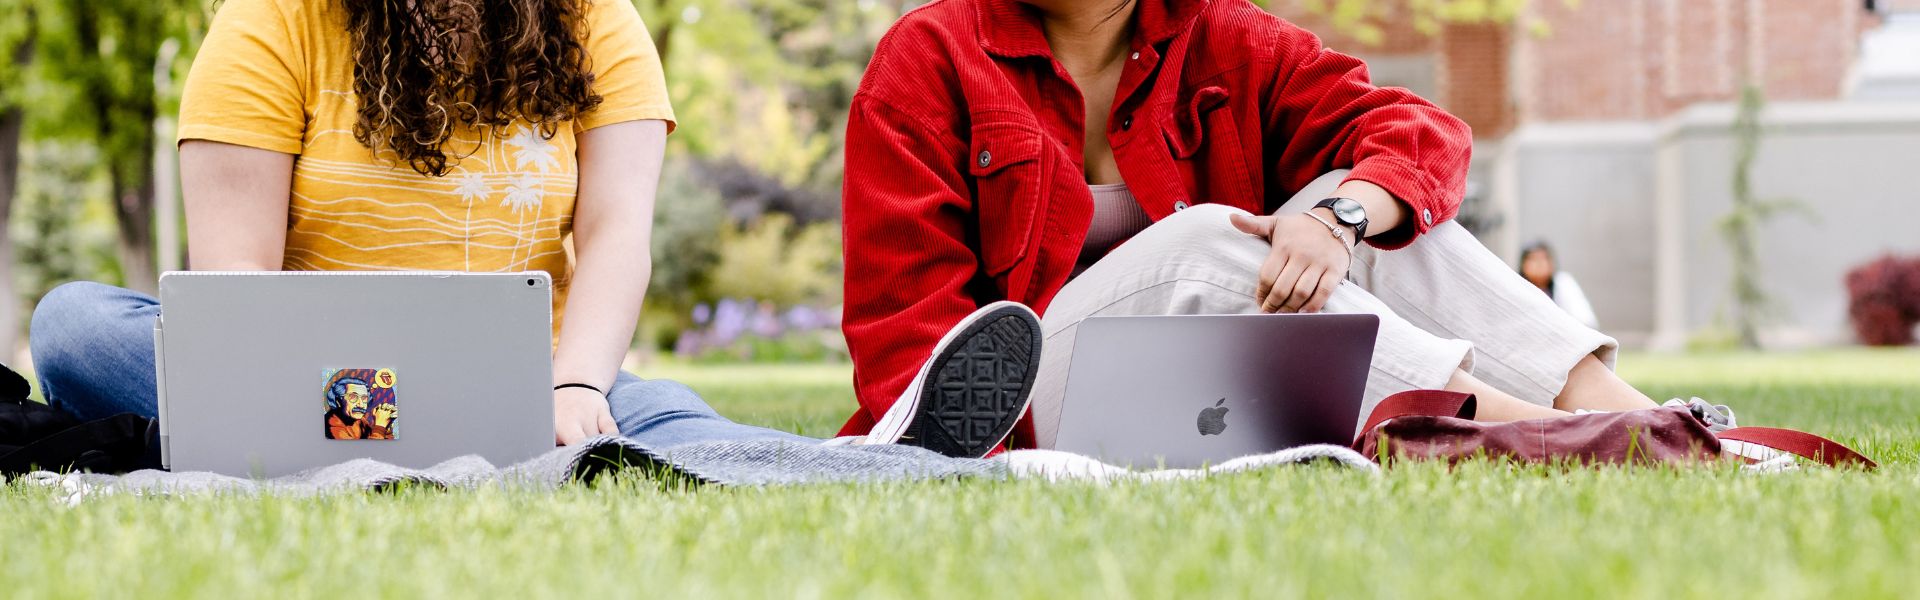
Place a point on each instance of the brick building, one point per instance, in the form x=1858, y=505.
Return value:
x=1606, y=128
x=1614, y=60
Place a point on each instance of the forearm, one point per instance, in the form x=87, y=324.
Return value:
x=612, y=227
x=602, y=308
x=1385, y=213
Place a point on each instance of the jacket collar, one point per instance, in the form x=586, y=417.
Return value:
x=1011, y=29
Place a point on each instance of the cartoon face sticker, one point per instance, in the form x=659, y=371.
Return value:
x=362, y=404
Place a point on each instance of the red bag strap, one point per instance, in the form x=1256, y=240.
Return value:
x=1421, y=403
x=1799, y=443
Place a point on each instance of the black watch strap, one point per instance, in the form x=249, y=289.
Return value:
x=1346, y=217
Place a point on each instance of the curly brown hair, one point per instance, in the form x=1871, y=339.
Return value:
x=424, y=69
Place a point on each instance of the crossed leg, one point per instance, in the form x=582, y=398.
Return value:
x=1451, y=314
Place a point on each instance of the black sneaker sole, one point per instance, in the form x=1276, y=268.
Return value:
x=978, y=387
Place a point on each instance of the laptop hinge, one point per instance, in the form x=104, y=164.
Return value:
x=160, y=384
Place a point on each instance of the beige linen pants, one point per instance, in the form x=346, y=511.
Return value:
x=1445, y=303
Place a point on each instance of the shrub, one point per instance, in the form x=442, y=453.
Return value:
x=1885, y=300
x=773, y=261
x=685, y=250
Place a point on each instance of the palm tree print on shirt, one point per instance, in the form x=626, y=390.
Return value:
x=472, y=186
x=524, y=193
x=530, y=147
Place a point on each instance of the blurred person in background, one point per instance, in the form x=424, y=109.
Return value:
x=1539, y=267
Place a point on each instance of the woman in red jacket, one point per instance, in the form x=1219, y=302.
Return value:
x=1003, y=150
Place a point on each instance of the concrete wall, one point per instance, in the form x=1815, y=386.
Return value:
x=1632, y=210
x=1856, y=167
x=1588, y=190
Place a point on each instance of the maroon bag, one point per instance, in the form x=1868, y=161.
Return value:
x=1438, y=425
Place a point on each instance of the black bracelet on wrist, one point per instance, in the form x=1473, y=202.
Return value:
x=578, y=385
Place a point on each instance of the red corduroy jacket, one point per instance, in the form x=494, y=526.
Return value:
x=964, y=180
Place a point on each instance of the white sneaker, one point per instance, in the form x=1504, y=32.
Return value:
x=1717, y=416
x=974, y=387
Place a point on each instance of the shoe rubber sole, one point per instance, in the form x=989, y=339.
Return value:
x=977, y=388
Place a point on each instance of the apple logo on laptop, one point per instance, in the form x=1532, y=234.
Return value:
x=1213, y=420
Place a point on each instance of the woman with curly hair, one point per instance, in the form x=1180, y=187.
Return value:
x=457, y=135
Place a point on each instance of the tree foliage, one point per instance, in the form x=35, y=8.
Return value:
x=16, y=44
x=93, y=74
x=766, y=82
x=1362, y=19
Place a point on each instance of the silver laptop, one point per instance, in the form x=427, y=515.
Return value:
x=1189, y=391
x=266, y=374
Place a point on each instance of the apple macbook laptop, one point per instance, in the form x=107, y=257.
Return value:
x=1189, y=391
x=265, y=374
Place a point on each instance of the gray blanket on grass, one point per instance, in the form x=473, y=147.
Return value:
x=733, y=463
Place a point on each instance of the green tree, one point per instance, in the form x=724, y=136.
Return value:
x=62, y=229
x=16, y=53
x=94, y=64
x=1361, y=18
x=766, y=82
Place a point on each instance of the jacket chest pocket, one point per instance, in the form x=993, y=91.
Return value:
x=1205, y=143
x=1008, y=174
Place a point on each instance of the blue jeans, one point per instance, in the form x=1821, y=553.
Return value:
x=93, y=351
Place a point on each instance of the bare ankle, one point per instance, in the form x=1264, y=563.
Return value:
x=1593, y=386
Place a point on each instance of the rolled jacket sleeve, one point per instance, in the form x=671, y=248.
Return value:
x=1333, y=117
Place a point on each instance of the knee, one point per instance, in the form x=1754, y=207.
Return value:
x=63, y=311
x=1203, y=217
x=665, y=391
x=654, y=400
x=1202, y=234
x=75, y=318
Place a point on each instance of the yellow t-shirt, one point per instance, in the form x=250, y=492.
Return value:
x=278, y=75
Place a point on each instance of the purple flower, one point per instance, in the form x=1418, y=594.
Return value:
x=730, y=319
x=766, y=322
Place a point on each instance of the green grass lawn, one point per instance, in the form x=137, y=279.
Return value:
x=1420, y=531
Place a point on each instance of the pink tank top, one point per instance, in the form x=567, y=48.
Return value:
x=1116, y=217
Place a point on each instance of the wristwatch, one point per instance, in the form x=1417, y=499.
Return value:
x=1348, y=212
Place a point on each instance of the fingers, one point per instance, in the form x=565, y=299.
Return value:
x=1269, y=270
x=575, y=428
x=1261, y=226
x=1304, y=268
x=566, y=426
x=607, y=425
x=1303, y=290
x=1328, y=281
x=1283, y=284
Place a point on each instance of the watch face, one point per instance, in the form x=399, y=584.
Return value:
x=1349, y=211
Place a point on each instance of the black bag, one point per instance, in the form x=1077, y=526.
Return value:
x=35, y=437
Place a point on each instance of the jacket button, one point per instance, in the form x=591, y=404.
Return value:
x=1136, y=56
x=1179, y=205
x=1126, y=123
x=986, y=158
x=1427, y=215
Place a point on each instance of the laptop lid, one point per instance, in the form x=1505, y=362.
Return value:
x=266, y=374
x=1188, y=391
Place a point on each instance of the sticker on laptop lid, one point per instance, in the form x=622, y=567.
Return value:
x=362, y=404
